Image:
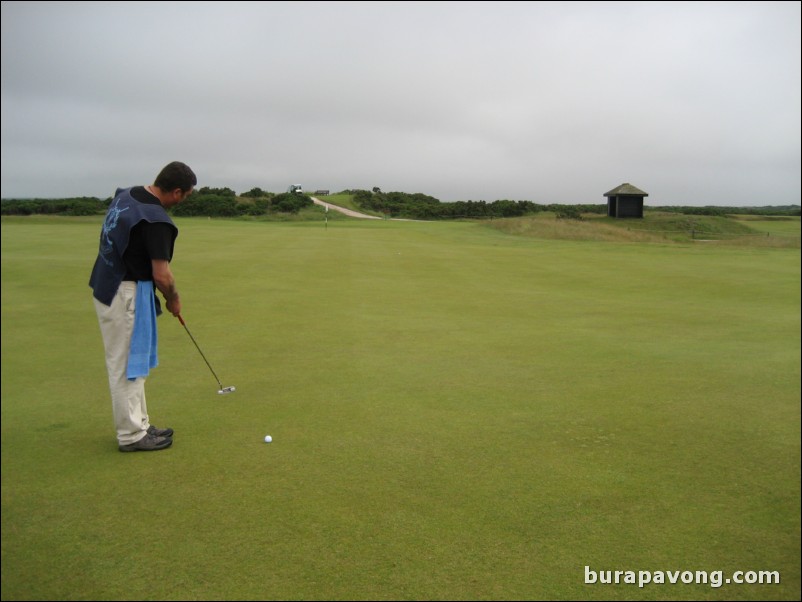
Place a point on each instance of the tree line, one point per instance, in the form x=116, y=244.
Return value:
x=204, y=202
x=422, y=206
x=224, y=202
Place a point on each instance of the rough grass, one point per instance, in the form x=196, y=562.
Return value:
x=657, y=227
x=347, y=201
x=456, y=414
x=548, y=227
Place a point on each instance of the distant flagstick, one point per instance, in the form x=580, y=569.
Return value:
x=327, y=217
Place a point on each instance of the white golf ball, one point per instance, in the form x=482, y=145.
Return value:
x=268, y=438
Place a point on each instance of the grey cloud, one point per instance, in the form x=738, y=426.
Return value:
x=697, y=103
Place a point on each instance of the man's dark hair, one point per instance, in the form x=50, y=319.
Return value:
x=176, y=175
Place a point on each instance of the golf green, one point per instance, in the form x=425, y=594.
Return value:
x=456, y=413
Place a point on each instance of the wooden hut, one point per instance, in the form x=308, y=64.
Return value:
x=625, y=201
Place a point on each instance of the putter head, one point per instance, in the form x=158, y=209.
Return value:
x=225, y=390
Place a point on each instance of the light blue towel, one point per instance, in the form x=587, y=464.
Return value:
x=143, y=354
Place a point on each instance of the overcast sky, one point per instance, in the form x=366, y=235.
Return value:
x=696, y=103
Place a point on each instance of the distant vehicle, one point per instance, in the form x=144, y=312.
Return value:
x=295, y=188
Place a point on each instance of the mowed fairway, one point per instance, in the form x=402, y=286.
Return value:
x=456, y=414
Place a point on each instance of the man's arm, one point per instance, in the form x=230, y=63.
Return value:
x=165, y=282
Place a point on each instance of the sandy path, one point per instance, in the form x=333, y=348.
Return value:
x=343, y=209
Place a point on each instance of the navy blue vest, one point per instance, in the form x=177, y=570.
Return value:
x=124, y=213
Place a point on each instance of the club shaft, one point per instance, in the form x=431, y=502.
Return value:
x=199, y=351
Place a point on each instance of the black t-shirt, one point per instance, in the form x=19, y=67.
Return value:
x=147, y=241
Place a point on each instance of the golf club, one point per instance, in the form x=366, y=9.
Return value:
x=223, y=390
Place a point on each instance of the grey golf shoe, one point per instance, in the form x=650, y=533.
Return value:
x=147, y=443
x=157, y=432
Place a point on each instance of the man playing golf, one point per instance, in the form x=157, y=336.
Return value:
x=136, y=247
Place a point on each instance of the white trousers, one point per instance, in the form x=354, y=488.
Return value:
x=128, y=403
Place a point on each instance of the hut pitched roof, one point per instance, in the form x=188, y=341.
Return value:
x=626, y=188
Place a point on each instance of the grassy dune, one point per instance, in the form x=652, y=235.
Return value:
x=751, y=231
x=457, y=413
